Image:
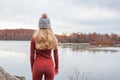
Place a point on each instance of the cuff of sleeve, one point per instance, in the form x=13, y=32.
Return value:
x=56, y=67
x=56, y=71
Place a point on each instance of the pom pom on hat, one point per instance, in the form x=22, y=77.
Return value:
x=44, y=15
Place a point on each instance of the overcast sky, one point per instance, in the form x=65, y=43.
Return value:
x=101, y=16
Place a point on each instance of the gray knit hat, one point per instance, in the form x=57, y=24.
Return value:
x=44, y=21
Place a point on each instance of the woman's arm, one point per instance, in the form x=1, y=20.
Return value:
x=32, y=50
x=56, y=59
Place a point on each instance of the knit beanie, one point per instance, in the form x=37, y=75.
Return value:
x=44, y=21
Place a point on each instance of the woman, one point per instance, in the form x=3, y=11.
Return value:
x=42, y=44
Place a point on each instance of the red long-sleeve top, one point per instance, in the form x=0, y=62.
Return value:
x=42, y=57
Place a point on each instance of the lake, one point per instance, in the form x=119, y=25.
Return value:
x=76, y=63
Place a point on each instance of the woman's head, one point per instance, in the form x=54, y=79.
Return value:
x=44, y=37
x=44, y=21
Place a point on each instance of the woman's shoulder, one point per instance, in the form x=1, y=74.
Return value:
x=34, y=35
x=32, y=38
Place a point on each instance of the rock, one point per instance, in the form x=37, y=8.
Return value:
x=6, y=76
x=20, y=77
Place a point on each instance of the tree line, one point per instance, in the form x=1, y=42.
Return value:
x=92, y=38
x=16, y=34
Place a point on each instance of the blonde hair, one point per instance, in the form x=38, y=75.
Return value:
x=45, y=39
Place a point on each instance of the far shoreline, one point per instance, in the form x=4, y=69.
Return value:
x=74, y=44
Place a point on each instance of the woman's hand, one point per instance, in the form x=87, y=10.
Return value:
x=56, y=71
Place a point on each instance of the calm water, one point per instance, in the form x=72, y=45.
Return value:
x=75, y=63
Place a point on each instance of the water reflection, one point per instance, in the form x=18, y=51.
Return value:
x=80, y=47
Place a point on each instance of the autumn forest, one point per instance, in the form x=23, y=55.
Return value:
x=79, y=37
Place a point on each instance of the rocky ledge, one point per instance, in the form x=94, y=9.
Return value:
x=7, y=76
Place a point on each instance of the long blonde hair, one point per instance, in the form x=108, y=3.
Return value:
x=45, y=39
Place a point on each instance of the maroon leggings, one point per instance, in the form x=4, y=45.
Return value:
x=48, y=73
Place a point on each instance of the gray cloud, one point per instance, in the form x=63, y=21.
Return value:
x=66, y=15
x=112, y=4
